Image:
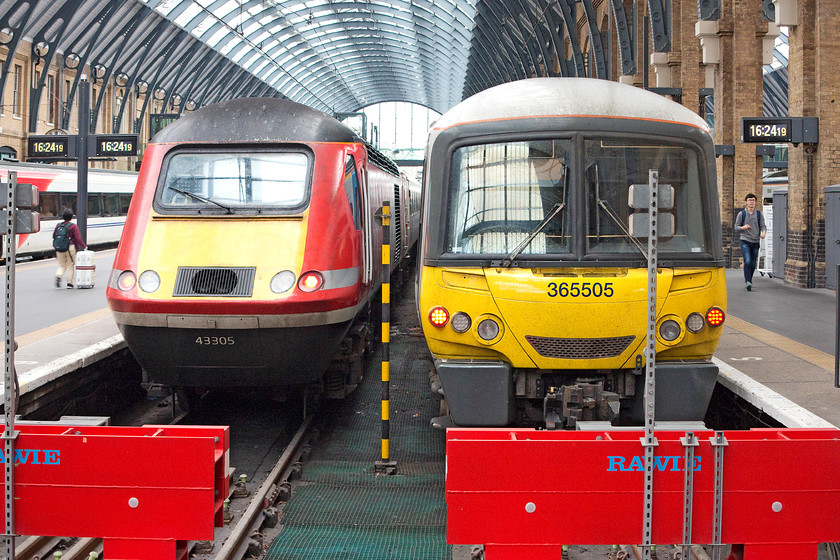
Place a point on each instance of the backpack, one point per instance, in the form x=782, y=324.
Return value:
x=61, y=237
x=743, y=216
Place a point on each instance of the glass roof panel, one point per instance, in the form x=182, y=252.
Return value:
x=312, y=49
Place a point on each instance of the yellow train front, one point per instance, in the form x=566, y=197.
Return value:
x=533, y=286
x=250, y=255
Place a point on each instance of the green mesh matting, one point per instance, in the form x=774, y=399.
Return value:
x=341, y=508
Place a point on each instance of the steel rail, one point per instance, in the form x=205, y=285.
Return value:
x=251, y=518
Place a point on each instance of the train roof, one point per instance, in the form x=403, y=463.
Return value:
x=256, y=119
x=561, y=97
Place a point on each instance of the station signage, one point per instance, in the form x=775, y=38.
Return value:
x=114, y=145
x=780, y=130
x=50, y=146
x=65, y=146
x=766, y=130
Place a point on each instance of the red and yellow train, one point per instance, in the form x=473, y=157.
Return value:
x=251, y=253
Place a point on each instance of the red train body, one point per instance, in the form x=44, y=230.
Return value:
x=251, y=248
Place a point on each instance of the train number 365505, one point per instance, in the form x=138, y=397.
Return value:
x=215, y=340
x=580, y=289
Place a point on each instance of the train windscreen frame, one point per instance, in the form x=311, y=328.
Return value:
x=234, y=181
x=500, y=194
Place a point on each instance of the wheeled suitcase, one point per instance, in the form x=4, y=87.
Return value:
x=85, y=269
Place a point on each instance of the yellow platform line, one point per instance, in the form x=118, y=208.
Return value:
x=797, y=349
x=59, y=328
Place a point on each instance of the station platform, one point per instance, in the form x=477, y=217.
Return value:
x=777, y=349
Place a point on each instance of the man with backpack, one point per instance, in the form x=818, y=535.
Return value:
x=67, y=239
x=750, y=224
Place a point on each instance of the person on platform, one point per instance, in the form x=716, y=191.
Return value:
x=67, y=240
x=750, y=224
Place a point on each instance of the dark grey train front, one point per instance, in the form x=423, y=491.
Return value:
x=533, y=287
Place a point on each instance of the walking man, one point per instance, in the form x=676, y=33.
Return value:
x=67, y=239
x=750, y=224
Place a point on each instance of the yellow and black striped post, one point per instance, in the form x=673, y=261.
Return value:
x=386, y=465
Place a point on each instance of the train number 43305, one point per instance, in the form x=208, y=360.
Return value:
x=215, y=340
x=580, y=289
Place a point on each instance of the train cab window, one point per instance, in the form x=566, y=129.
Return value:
x=94, y=207
x=612, y=166
x=48, y=206
x=510, y=197
x=228, y=182
x=351, y=187
x=111, y=206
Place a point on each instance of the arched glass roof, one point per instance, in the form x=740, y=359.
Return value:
x=339, y=55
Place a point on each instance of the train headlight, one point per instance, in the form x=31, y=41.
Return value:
x=461, y=322
x=149, y=281
x=670, y=330
x=126, y=281
x=715, y=316
x=310, y=281
x=438, y=316
x=695, y=323
x=282, y=282
x=488, y=329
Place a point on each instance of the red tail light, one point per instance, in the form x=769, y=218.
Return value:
x=715, y=316
x=310, y=281
x=438, y=316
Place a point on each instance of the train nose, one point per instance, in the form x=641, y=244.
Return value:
x=578, y=320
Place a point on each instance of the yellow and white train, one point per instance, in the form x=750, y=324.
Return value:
x=532, y=290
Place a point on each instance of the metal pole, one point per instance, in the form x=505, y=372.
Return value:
x=649, y=441
x=837, y=330
x=9, y=369
x=386, y=465
x=82, y=153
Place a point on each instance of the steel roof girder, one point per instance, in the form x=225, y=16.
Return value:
x=502, y=55
x=626, y=38
x=24, y=10
x=595, y=40
x=498, y=28
x=660, y=28
x=64, y=14
x=99, y=21
x=512, y=27
x=179, y=68
x=530, y=11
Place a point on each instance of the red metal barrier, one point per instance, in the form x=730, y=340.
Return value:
x=142, y=490
x=524, y=493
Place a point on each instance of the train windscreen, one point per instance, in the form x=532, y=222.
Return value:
x=502, y=195
x=229, y=180
x=613, y=166
x=521, y=198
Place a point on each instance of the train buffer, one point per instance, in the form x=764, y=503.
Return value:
x=145, y=490
x=774, y=491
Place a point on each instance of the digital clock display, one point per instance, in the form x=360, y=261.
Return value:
x=48, y=146
x=116, y=145
x=761, y=129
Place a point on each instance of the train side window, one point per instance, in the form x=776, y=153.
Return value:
x=351, y=187
x=49, y=206
x=94, y=205
x=68, y=201
x=125, y=200
x=112, y=204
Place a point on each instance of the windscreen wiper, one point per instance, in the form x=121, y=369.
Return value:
x=508, y=260
x=623, y=228
x=603, y=204
x=202, y=199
